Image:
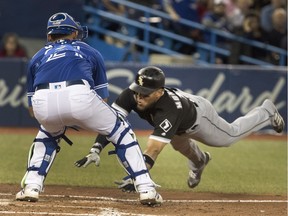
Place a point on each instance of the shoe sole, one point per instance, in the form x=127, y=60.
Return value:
x=28, y=199
x=193, y=185
x=150, y=202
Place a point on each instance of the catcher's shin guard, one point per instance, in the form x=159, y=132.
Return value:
x=41, y=156
x=130, y=155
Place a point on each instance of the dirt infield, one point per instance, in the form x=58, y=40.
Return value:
x=80, y=201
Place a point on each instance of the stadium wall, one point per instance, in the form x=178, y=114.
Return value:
x=232, y=90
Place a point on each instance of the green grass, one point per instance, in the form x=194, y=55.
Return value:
x=249, y=166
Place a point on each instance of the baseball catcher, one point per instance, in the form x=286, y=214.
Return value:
x=66, y=83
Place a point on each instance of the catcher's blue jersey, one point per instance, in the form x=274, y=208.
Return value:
x=67, y=60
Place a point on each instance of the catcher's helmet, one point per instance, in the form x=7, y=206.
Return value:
x=63, y=23
x=148, y=80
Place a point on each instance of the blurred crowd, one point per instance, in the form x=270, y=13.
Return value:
x=261, y=20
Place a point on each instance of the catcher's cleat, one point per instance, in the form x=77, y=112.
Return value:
x=151, y=198
x=277, y=121
x=28, y=194
x=195, y=176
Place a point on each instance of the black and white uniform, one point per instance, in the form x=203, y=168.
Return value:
x=179, y=117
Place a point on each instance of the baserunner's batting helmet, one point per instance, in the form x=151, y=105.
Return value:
x=148, y=80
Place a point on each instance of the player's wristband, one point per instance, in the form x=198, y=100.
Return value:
x=97, y=147
x=148, y=160
x=102, y=140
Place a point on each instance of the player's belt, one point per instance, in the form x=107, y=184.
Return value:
x=193, y=120
x=194, y=126
x=68, y=83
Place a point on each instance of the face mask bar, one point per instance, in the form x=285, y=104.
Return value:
x=82, y=32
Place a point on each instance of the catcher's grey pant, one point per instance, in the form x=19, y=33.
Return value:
x=78, y=105
x=212, y=130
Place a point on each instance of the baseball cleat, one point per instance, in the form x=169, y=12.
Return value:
x=195, y=176
x=151, y=198
x=28, y=194
x=277, y=121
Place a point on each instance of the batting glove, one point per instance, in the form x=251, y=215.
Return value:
x=126, y=185
x=92, y=157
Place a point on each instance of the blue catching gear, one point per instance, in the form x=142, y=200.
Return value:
x=124, y=141
x=51, y=148
x=41, y=156
x=48, y=142
x=120, y=150
x=63, y=23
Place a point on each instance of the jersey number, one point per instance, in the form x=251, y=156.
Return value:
x=55, y=56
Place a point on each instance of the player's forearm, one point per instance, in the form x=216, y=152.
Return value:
x=102, y=141
x=152, y=151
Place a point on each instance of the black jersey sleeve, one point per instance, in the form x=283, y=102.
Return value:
x=125, y=103
x=167, y=118
x=166, y=127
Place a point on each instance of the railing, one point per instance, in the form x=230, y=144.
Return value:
x=211, y=50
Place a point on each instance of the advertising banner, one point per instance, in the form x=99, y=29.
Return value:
x=232, y=90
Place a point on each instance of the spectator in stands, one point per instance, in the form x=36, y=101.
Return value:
x=237, y=15
x=267, y=11
x=152, y=19
x=216, y=18
x=204, y=6
x=230, y=7
x=138, y=14
x=108, y=24
x=117, y=9
x=252, y=30
x=185, y=9
x=278, y=34
x=11, y=47
x=259, y=4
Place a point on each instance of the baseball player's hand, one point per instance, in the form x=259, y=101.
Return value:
x=92, y=157
x=126, y=185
